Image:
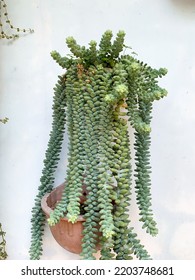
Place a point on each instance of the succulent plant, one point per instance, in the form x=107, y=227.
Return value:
x=101, y=95
x=7, y=29
x=3, y=253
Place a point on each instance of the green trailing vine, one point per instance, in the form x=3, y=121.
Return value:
x=102, y=92
x=3, y=254
x=7, y=29
x=4, y=121
x=50, y=164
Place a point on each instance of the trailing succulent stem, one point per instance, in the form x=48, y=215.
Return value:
x=138, y=249
x=101, y=93
x=122, y=174
x=50, y=165
x=143, y=90
x=143, y=170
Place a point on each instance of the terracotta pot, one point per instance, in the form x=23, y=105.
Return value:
x=68, y=235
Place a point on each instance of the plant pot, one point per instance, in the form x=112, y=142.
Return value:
x=68, y=235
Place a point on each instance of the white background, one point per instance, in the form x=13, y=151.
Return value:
x=162, y=33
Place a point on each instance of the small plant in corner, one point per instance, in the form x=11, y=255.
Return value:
x=100, y=93
x=3, y=253
x=7, y=29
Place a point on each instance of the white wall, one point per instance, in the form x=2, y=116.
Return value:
x=162, y=33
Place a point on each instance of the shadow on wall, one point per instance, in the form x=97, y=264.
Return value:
x=184, y=4
x=185, y=7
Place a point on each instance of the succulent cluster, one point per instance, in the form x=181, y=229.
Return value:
x=6, y=27
x=101, y=93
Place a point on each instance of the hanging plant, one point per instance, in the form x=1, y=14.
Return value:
x=6, y=26
x=100, y=93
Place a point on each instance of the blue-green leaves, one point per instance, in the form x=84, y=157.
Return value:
x=50, y=164
x=106, y=54
x=118, y=44
x=102, y=93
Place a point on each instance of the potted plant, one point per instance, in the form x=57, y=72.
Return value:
x=100, y=94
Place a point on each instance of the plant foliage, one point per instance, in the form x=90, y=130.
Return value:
x=3, y=254
x=100, y=94
x=7, y=29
